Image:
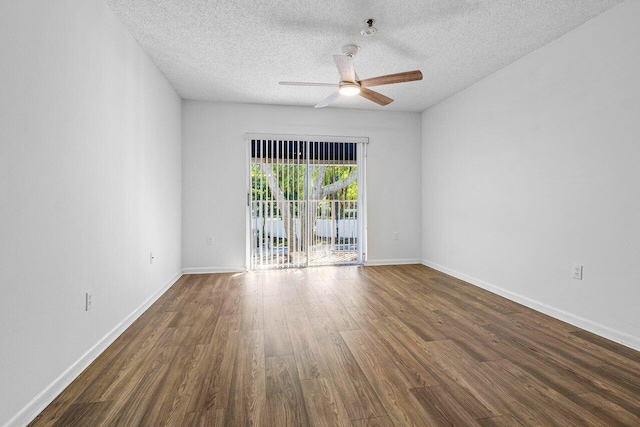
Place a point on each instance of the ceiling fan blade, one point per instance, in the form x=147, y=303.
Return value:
x=328, y=100
x=374, y=96
x=407, y=76
x=309, y=84
x=345, y=68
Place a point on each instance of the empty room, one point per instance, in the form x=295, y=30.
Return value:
x=295, y=213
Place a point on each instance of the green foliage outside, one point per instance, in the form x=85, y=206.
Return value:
x=291, y=180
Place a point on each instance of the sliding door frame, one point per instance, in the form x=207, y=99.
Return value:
x=361, y=155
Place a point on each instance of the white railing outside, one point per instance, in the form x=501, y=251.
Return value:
x=332, y=233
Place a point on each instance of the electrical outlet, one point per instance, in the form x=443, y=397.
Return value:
x=88, y=300
x=151, y=258
x=577, y=271
x=395, y=236
x=210, y=240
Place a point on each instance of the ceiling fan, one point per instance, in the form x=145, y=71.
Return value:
x=351, y=85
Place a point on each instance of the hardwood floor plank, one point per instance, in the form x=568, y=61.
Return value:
x=527, y=395
x=91, y=383
x=250, y=287
x=604, y=351
x=167, y=402
x=409, y=363
x=314, y=308
x=310, y=300
x=210, y=418
x=622, y=378
x=248, y=393
x=608, y=345
x=309, y=358
x=388, y=382
x=338, y=313
x=174, y=337
x=252, y=312
x=215, y=369
x=475, y=340
x=465, y=378
x=500, y=421
x=359, y=398
x=532, y=325
x=628, y=402
x=174, y=299
x=277, y=341
x=324, y=406
x=425, y=327
x=443, y=407
x=218, y=282
x=202, y=330
x=285, y=402
x=232, y=305
x=590, y=379
x=417, y=345
x=543, y=321
x=83, y=414
x=553, y=374
x=373, y=422
x=343, y=292
x=289, y=294
x=412, y=295
x=477, y=295
x=130, y=364
x=177, y=398
x=554, y=349
x=606, y=411
x=134, y=400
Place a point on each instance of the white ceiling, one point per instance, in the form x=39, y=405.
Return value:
x=238, y=50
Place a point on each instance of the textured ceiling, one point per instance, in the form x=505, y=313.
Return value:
x=238, y=50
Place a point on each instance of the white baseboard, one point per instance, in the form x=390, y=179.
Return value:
x=242, y=269
x=372, y=262
x=209, y=270
x=586, y=324
x=46, y=396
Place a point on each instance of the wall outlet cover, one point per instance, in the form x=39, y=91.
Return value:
x=577, y=271
x=88, y=300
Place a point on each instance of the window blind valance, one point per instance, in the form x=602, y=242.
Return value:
x=308, y=138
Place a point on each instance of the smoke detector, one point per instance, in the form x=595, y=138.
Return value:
x=369, y=30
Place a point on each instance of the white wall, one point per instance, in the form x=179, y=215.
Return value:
x=537, y=167
x=214, y=176
x=90, y=182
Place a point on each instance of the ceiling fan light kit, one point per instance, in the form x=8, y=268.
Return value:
x=349, y=89
x=351, y=85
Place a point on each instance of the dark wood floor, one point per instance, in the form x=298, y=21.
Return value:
x=350, y=346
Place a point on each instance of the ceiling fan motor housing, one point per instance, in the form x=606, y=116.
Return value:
x=350, y=49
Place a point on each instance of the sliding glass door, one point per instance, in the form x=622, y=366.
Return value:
x=305, y=203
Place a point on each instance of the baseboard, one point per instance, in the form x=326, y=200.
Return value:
x=372, y=262
x=209, y=270
x=586, y=324
x=46, y=396
x=242, y=269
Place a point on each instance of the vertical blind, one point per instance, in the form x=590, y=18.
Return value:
x=304, y=203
